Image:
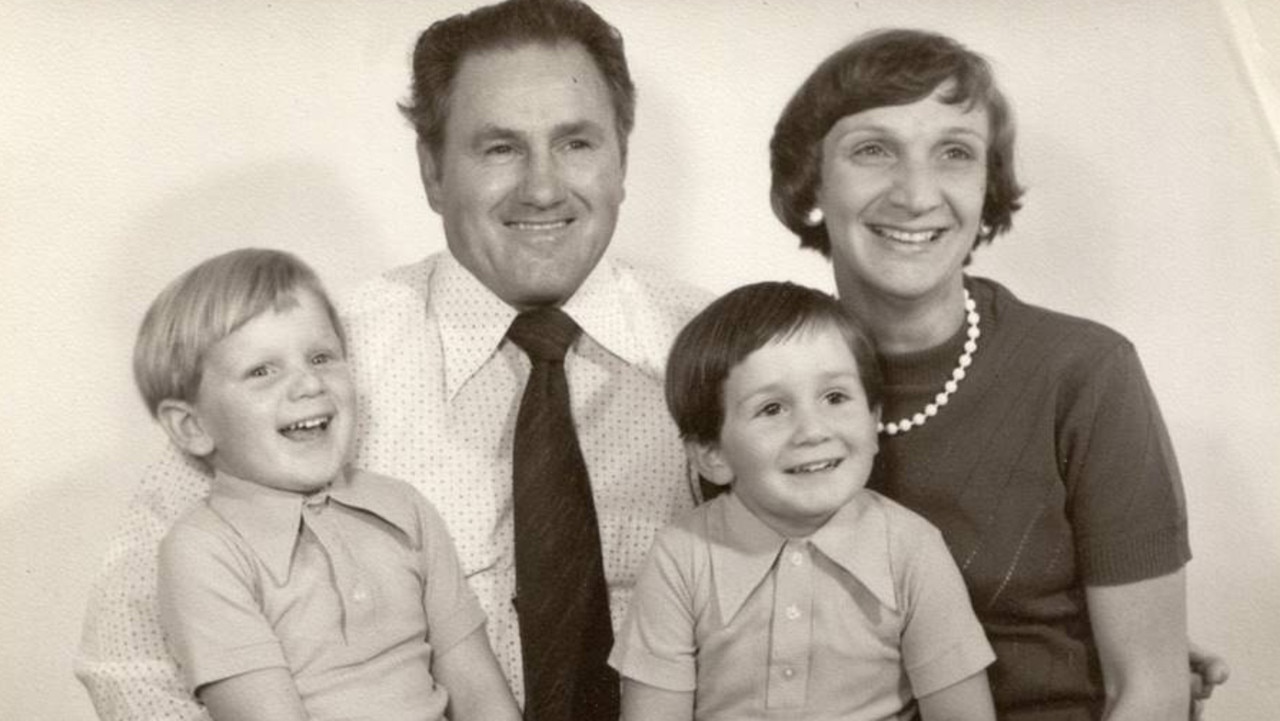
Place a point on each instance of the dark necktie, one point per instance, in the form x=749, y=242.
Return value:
x=561, y=596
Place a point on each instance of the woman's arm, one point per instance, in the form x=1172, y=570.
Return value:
x=477, y=689
x=264, y=695
x=642, y=702
x=967, y=700
x=1141, y=632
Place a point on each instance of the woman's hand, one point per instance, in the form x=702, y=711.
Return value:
x=1208, y=671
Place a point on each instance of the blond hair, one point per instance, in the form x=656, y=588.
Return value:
x=206, y=304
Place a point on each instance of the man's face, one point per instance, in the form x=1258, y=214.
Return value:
x=529, y=178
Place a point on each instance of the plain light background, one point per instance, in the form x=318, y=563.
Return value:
x=139, y=138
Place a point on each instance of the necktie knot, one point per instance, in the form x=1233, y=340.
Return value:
x=545, y=334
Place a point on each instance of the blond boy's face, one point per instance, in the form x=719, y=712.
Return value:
x=798, y=438
x=276, y=399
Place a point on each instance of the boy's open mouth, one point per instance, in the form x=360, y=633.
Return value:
x=306, y=429
x=816, y=466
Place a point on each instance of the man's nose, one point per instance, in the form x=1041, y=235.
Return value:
x=542, y=184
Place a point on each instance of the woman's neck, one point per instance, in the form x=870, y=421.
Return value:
x=906, y=325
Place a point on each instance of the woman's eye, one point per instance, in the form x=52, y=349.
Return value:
x=870, y=150
x=957, y=152
x=321, y=359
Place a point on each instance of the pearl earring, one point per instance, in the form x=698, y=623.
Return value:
x=814, y=218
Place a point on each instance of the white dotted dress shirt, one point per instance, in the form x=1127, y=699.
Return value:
x=439, y=391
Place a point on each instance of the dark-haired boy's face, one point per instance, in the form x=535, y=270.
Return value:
x=798, y=437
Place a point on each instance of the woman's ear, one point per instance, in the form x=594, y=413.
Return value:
x=181, y=421
x=709, y=462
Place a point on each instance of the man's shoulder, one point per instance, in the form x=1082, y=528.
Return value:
x=404, y=287
x=656, y=292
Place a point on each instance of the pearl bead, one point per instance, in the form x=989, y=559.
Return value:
x=953, y=384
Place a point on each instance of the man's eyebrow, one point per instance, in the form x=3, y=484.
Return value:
x=490, y=132
x=577, y=127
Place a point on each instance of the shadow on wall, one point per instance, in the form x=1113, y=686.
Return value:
x=292, y=204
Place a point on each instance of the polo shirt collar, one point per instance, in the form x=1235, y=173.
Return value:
x=269, y=519
x=744, y=549
x=473, y=321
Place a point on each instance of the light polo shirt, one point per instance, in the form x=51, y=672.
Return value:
x=352, y=589
x=439, y=388
x=852, y=622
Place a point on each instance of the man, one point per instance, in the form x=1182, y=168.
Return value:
x=522, y=112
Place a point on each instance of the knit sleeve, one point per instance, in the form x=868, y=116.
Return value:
x=1125, y=497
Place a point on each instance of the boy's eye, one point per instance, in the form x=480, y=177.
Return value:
x=259, y=372
x=770, y=409
x=836, y=397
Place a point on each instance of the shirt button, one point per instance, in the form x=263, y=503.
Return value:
x=793, y=612
x=788, y=672
x=797, y=558
x=360, y=595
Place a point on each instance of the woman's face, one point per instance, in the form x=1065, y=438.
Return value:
x=902, y=190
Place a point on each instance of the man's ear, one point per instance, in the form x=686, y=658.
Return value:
x=709, y=462
x=181, y=421
x=429, y=171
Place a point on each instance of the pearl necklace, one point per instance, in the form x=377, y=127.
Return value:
x=957, y=375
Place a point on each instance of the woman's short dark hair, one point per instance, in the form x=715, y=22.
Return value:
x=506, y=25
x=887, y=67
x=738, y=324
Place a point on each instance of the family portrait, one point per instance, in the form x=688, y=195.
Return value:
x=592, y=359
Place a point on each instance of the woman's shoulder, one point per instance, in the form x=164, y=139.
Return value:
x=1071, y=335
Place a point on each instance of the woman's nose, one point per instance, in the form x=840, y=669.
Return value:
x=915, y=186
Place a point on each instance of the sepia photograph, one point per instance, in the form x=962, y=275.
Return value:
x=600, y=359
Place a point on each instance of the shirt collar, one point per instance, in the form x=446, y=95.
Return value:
x=473, y=321
x=744, y=549
x=268, y=519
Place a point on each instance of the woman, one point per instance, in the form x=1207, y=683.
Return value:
x=1030, y=438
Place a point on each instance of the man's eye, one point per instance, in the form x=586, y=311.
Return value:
x=579, y=144
x=500, y=150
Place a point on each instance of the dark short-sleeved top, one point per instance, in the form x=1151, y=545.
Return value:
x=1049, y=470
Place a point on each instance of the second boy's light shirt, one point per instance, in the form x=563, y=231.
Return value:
x=849, y=623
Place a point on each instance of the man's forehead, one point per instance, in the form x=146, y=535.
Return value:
x=531, y=83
